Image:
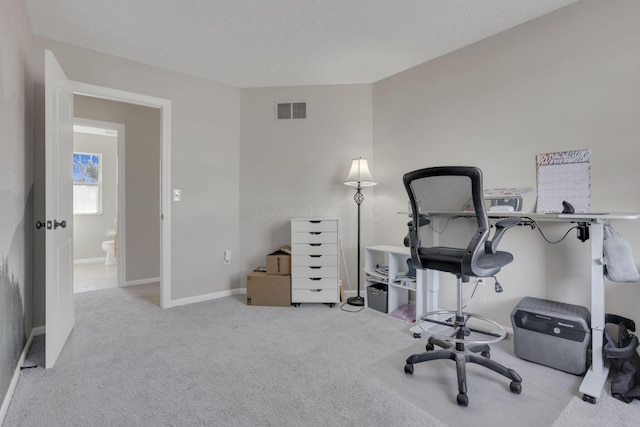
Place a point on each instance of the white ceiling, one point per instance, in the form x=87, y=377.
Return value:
x=254, y=43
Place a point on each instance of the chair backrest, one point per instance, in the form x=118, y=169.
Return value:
x=449, y=190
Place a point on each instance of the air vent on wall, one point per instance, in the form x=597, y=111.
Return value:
x=291, y=110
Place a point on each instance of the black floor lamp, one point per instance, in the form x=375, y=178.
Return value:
x=359, y=176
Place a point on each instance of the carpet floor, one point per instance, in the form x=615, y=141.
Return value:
x=433, y=387
x=222, y=363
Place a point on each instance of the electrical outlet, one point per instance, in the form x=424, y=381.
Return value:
x=177, y=195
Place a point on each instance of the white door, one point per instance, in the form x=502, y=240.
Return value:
x=60, y=316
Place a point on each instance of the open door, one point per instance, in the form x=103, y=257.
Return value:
x=60, y=316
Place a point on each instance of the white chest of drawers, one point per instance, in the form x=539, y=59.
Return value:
x=314, y=260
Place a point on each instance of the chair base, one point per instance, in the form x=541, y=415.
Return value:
x=446, y=325
x=461, y=354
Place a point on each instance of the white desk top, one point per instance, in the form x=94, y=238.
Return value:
x=589, y=216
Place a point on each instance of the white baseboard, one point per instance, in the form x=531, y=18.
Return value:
x=16, y=373
x=39, y=330
x=89, y=261
x=142, y=281
x=206, y=297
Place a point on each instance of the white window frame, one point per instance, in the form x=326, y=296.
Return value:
x=84, y=183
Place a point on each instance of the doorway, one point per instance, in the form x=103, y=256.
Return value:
x=58, y=150
x=163, y=107
x=139, y=204
x=98, y=184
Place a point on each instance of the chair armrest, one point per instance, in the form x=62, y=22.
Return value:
x=490, y=246
x=422, y=221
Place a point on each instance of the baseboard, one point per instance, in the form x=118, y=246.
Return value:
x=16, y=373
x=89, y=261
x=142, y=281
x=206, y=297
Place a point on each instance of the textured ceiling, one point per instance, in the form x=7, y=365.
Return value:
x=253, y=43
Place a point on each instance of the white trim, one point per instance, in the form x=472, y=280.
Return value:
x=165, y=187
x=16, y=373
x=141, y=281
x=208, y=297
x=118, y=95
x=165, y=201
x=89, y=261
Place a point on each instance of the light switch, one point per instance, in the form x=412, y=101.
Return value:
x=177, y=195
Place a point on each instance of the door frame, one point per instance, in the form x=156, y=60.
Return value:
x=164, y=105
x=121, y=188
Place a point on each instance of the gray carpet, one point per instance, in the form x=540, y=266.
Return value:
x=433, y=387
x=216, y=363
x=223, y=363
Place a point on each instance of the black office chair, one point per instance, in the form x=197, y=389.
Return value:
x=448, y=209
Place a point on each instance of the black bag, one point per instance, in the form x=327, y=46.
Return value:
x=623, y=359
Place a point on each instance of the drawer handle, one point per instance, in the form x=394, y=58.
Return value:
x=316, y=267
x=315, y=244
x=315, y=221
x=315, y=290
x=315, y=278
x=315, y=256
x=315, y=233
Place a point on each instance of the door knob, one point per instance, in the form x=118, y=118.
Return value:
x=57, y=224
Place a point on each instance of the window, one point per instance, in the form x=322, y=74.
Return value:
x=87, y=184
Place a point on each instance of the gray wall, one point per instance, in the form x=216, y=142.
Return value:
x=89, y=231
x=296, y=168
x=204, y=164
x=142, y=180
x=18, y=81
x=568, y=80
x=563, y=81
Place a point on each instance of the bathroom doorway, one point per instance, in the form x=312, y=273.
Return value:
x=98, y=187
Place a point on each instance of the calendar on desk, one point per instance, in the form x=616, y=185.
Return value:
x=563, y=176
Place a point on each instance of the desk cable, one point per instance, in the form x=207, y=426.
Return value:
x=531, y=223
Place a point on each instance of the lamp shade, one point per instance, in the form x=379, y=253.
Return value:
x=359, y=175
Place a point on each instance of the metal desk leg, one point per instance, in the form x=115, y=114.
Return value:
x=596, y=376
x=430, y=282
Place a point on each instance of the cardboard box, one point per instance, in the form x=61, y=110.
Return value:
x=279, y=262
x=268, y=289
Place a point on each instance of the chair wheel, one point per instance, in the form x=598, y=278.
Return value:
x=486, y=354
x=463, y=399
x=589, y=399
x=408, y=369
x=416, y=335
x=429, y=346
x=515, y=387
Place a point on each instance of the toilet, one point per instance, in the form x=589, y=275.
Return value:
x=109, y=246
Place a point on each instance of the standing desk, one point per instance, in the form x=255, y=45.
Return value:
x=596, y=375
